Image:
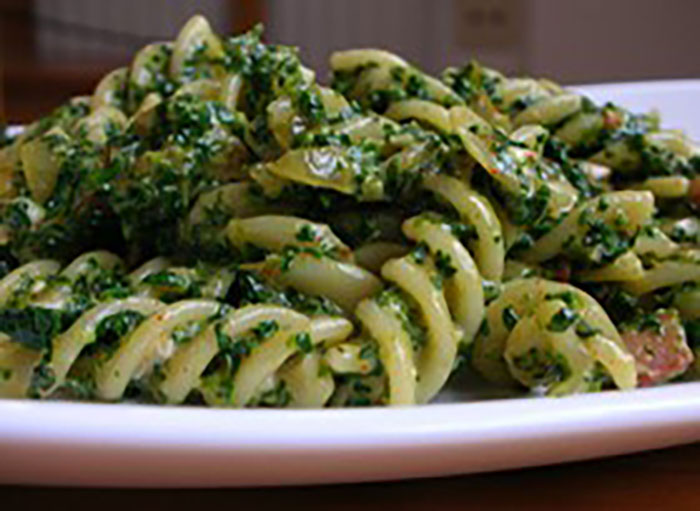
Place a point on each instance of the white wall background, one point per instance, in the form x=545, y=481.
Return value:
x=606, y=40
x=118, y=26
x=423, y=31
x=568, y=40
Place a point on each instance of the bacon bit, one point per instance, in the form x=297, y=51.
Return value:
x=694, y=191
x=660, y=356
x=611, y=119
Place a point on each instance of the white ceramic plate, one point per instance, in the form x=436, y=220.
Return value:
x=128, y=445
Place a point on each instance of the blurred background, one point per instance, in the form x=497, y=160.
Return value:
x=51, y=50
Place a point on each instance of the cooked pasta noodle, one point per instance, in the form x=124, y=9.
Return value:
x=212, y=226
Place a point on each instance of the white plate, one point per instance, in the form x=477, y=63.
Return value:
x=128, y=445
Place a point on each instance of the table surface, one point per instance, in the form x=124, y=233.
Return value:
x=662, y=480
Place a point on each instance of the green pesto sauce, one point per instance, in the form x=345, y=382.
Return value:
x=406, y=312
x=544, y=366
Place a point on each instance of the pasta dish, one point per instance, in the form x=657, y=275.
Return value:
x=213, y=226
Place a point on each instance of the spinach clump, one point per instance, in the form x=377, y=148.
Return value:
x=33, y=327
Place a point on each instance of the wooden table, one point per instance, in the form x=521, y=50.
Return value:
x=657, y=481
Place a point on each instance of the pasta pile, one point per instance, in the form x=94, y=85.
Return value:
x=213, y=226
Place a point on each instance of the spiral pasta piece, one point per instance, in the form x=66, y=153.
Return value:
x=376, y=71
x=160, y=278
x=305, y=375
x=462, y=282
x=21, y=278
x=436, y=358
x=184, y=369
x=682, y=266
x=88, y=267
x=309, y=385
x=549, y=324
x=474, y=209
x=424, y=111
x=626, y=211
x=443, y=283
x=307, y=256
x=559, y=360
x=395, y=351
x=67, y=347
x=148, y=344
x=274, y=233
